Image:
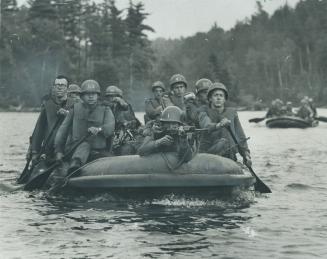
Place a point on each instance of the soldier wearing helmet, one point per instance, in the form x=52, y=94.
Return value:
x=216, y=117
x=127, y=125
x=74, y=92
x=194, y=103
x=167, y=135
x=201, y=89
x=86, y=117
x=53, y=111
x=154, y=106
x=178, y=85
x=305, y=111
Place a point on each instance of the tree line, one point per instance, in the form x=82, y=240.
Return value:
x=262, y=57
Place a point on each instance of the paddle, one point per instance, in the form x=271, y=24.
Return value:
x=321, y=118
x=259, y=185
x=23, y=178
x=256, y=120
x=39, y=180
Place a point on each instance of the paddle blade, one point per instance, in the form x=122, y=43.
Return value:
x=261, y=187
x=321, y=118
x=256, y=120
x=25, y=174
x=39, y=180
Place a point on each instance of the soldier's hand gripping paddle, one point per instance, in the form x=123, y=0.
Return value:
x=256, y=120
x=259, y=185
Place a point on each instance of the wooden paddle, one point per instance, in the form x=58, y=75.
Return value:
x=39, y=180
x=23, y=178
x=256, y=120
x=259, y=185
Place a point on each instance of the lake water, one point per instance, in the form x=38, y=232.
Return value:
x=289, y=223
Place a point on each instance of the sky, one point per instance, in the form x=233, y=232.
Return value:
x=182, y=18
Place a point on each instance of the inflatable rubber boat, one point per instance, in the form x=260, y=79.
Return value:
x=159, y=171
x=289, y=122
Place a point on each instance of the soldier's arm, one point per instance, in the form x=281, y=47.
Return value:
x=150, y=110
x=148, y=146
x=205, y=122
x=108, y=127
x=62, y=133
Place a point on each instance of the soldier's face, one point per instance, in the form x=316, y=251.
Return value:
x=178, y=89
x=202, y=96
x=60, y=87
x=90, y=98
x=158, y=93
x=217, y=98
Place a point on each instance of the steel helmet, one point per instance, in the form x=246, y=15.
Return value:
x=202, y=84
x=217, y=86
x=114, y=90
x=90, y=86
x=171, y=114
x=158, y=84
x=73, y=88
x=177, y=78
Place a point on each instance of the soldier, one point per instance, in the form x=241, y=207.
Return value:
x=201, y=89
x=194, y=103
x=86, y=117
x=305, y=112
x=178, y=85
x=154, y=106
x=168, y=136
x=215, y=118
x=289, y=109
x=126, y=137
x=53, y=111
x=74, y=92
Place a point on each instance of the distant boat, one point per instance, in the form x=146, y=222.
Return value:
x=289, y=122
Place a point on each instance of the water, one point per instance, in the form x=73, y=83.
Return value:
x=289, y=223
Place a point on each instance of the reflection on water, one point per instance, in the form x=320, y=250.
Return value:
x=289, y=223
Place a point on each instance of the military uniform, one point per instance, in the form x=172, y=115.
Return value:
x=44, y=125
x=219, y=141
x=182, y=144
x=152, y=110
x=77, y=122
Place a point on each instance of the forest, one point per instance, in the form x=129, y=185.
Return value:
x=283, y=55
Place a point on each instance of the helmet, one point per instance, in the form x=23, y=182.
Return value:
x=202, y=84
x=90, y=86
x=114, y=90
x=171, y=114
x=158, y=84
x=217, y=86
x=73, y=88
x=177, y=78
